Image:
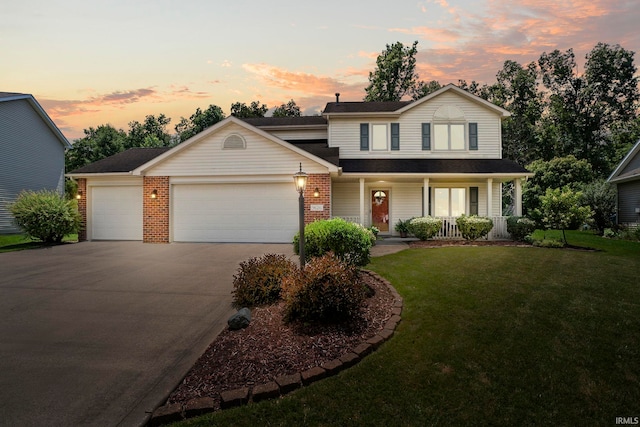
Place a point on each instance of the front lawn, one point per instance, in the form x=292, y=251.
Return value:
x=489, y=336
x=18, y=242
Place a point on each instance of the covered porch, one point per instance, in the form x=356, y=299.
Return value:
x=383, y=200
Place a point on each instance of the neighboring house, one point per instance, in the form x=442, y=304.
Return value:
x=626, y=178
x=369, y=162
x=31, y=152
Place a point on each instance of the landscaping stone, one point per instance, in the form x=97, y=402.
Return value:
x=240, y=320
x=349, y=359
x=166, y=414
x=392, y=322
x=288, y=383
x=314, y=374
x=396, y=310
x=386, y=334
x=237, y=397
x=332, y=367
x=199, y=406
x=265, y=391
x=375, y=341
x=363, y=349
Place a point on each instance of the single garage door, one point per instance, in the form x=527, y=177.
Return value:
x=235, y=212
x=116, y=212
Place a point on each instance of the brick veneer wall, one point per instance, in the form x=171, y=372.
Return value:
x=323, y=183
x=82, y=208
x=155, y=221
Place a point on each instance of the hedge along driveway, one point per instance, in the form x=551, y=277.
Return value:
x=98, y=333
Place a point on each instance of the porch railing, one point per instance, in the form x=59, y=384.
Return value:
x=451, y=231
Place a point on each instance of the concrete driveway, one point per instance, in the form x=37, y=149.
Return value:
x=98, y=333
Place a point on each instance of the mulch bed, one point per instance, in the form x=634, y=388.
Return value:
x=269, y=348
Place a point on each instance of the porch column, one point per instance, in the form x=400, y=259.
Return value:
x=518, y=196
x=489, y=197
x=425, y=197
x=361, y=201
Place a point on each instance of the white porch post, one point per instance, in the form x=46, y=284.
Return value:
x=361, y=201
x=489, y=197
x=425, y=197
x=518, y=196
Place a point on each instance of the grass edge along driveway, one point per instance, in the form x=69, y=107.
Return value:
x=490, y=335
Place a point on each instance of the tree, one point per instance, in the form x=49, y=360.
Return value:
x=151, y=133
x=600, y=197
x=517, y=91
x=395, y=74
x=98, y=143
x=290, y=109
x=423, y=89
x=198, y=121
x=584, y=111
x=241, y=110
x=560, y=208
x=556, y=173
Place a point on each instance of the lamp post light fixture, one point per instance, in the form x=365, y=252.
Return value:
x=300, y=179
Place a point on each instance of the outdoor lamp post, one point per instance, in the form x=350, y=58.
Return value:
x=300, y=179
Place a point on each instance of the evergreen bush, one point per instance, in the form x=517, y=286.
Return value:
x=425, y=227
x=474, y=227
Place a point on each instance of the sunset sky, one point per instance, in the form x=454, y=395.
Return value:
x=91, y=62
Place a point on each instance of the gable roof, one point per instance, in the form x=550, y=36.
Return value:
x=398, y=107
x=617, y=175
x=12, y=96
x=123, y=162
x=220, y=125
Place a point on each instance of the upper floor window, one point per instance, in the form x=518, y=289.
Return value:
x=379, y=137
x=449, y=136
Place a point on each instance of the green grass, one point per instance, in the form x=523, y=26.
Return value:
x=489, y=336
x=18, y=242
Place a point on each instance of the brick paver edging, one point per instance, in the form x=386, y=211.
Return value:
x=286, y=383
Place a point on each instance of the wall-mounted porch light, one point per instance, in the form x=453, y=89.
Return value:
x=154, y=194
x=316, y=192
x=79, y=195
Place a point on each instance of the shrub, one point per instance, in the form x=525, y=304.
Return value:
x=349, y=242
x=259, y=280
x=327, y=290
x=520, y=227
x=425, y=227
x=46, y=215
x=474, y=227
x=548, y=243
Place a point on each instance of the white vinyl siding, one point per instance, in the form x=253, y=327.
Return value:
x=298, y=134
x=260, y=157
x=345, y=132
x=251, y=212
x=345, y=199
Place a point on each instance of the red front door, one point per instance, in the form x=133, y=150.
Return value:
x=380, y=209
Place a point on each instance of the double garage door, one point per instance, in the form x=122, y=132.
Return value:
x=256, y=212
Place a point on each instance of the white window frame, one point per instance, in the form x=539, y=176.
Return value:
x=382, y=131
x=449, y=201
x=436, y=140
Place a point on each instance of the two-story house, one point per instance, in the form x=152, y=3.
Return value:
x=368, y=162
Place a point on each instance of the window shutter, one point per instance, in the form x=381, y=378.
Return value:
x=426, y=136
x=364, y=136
x=395, y=136
x=473, y=200
x=473, y=136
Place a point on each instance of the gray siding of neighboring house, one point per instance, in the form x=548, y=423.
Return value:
x=31, y=157
x=633, y=165
x=628, y=201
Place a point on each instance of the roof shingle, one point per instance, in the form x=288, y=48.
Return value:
x=125, y=161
